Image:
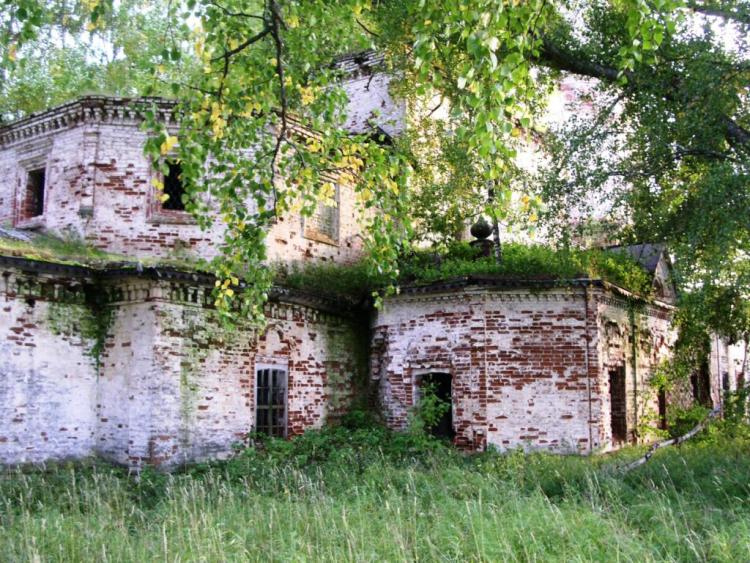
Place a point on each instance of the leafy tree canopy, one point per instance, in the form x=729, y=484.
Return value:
x=667, y=143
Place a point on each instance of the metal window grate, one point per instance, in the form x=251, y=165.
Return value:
x=270, y=406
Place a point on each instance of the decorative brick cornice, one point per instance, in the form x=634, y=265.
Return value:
x=132, y=282
x=474, y=296
x=656, y=309
x=89, y=109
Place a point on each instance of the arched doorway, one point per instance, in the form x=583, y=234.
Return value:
x=441, y=385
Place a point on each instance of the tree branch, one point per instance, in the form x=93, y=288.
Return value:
x=365, y=28
x=671, y=442
x=244, y=45
x=236, y=14
x=555, y=57
x=718, y=11
x=277, y=23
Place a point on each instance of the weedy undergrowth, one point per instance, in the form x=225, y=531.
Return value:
x=361, y=492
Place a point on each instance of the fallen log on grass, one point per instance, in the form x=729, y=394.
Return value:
x=671, y=442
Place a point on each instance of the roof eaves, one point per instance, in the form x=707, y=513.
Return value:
x=123, y=270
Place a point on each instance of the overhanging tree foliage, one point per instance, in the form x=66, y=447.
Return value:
x=261, y=105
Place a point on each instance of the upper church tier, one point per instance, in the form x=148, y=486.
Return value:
x=80, y=169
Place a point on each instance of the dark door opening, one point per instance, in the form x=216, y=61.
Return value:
x=618, y=405
x=441, y=384
x=662, y=409
x=701, y=382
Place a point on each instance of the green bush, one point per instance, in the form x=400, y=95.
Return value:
x=519, y=262
x=682, y=420
x=430, y=409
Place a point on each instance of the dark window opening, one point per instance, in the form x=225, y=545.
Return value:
x=270, y=406
x=662, y=409
x=34, y=200
x=701, y=383
x=618, y=405
x=441, y=384
x=173, y=188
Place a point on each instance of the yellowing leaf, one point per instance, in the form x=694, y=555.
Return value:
x=306, y=95
x=168, y=143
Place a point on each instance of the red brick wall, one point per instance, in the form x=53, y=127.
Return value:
x=522, y=372
x=173, y=385
x=99, y=188
x=517, y=358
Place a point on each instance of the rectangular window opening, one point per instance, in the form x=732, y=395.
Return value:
x=173, y=188
x=323, y=224
x=270, y=403
x=34, y=200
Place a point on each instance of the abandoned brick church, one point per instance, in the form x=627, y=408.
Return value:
x=125, y=360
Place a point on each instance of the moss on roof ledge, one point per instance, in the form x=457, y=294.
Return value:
x=76, y=252
x=532, y=266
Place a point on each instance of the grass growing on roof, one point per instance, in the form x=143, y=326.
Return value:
x=54, y=249
x=521, y=262
x=358, y=281
x=529, y=262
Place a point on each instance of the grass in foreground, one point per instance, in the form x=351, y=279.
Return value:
x=371, y=495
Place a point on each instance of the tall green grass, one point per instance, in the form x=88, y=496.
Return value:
x=366, y=498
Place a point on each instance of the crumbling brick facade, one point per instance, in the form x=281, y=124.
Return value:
x=529, y=366
x=98, y=187
x=136, y=368
x=132, y=364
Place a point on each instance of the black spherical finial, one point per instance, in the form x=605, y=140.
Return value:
x=481, y=229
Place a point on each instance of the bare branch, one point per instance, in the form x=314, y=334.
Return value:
x=671, y=442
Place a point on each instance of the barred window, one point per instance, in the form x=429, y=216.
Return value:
x=270, y=404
